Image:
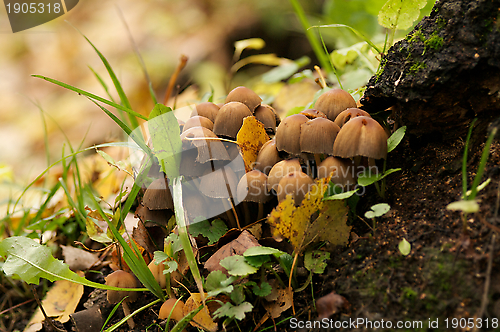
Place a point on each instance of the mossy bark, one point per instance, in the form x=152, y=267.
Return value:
x=444, y=73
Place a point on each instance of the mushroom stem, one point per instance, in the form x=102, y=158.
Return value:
x=247, y=213
x=230, y=216
x=126, y=311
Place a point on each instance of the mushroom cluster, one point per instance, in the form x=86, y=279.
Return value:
x=335, y=139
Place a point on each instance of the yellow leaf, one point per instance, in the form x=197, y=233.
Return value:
x=202, y=319
x=294, y=223
x=61, y=301
x=250, y=139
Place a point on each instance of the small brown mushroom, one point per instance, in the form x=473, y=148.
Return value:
x=206, y=109
x=230, y=119
x=158, y=196
x=246, y=96
x=317, y=136
x=198, y=121
x=122, y=279
x=172, y=308
x=296, y=184
x=288, y=134
x=281, y=169
x=334, y=101
x=268, y=117
x=206, y=142
x=267, y=157
x=348, y=114
x=342, y=171
x=253, y=188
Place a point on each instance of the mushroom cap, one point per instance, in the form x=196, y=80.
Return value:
x=208, y=149
x=158, y=195
x=361, y=136
x=172, y=305
x=195, y=205
x=348, y=114
x=288, y=134
x=206, y=109
x=198, y=121
x=267, y=157
x=190, y=167
x=343, y=171
x=267, y=116
x=230, y=119
x=279, y=170
x=121, y=279
x=334, y=101
x=318, y=135
x=220, y=183
x=296, y=184
x=246, y=96
x=313, y=113
x=157, y=271
x=253, y=187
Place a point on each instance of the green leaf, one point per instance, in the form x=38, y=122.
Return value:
x=237, y=266
x=261, y=250
x=378, y=210
x=165, y=133
x=286, y=262
x=213, y=232
x=257, y=261
x=172, y=244
x=264, y=290
x=251, y=43
x=160, y=257
x=395, y=139
x=400, y=14
x=467, y=206
x=217, y=282
x=367, y=178
x=285, y=70
x=404, y=247
x=29, y=261
x=238, y=294
x=341, y=196
x=315, y=260
x=232, y=311
x=170, y=266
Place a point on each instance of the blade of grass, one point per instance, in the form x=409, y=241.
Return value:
x=330, y=61
x=123, y=97
x=356, y=32
x=132, y=256
x=117, y=325
x=464, y=160
x=482, y=164
x=91, y=95
x=103, y=84
x=313, y=40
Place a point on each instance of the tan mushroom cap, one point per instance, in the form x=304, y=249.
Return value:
x=253, y=188
x=158, y=195
x=230, y=119
x=267, y=116
x=288, y=134
x=121, y=279
x=296, y=184
x=313, y=113
x=281, y=169
x=246, y=96
x=334, y=101
x=361, y=136
x=206, y=109
x=348, y=114
x=317, y=136
x=198, y=121
x=220, y=183
x=208, y=149
x=190, y=167
x=172, y=305
x=267, y=157
x=343, y=171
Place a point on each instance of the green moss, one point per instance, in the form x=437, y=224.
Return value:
x=417, y=66
x=434, y=41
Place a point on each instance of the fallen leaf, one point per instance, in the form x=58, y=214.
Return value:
x=202, y=319
x=283, y=301
x=331, y=224
x=236, y=247
x=60, y=301
x=250, y=139
x=330, y=304
x=78, y=259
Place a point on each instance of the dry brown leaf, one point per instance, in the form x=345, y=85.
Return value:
x=330, y=304
x=61, y=301
x=78, y=259
x=331, y=224
x=236, y=247
x=202, y=319
x=250, y=139
x=283, y=301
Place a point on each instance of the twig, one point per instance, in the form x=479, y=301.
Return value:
x=173, y=79
x=47, y=318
